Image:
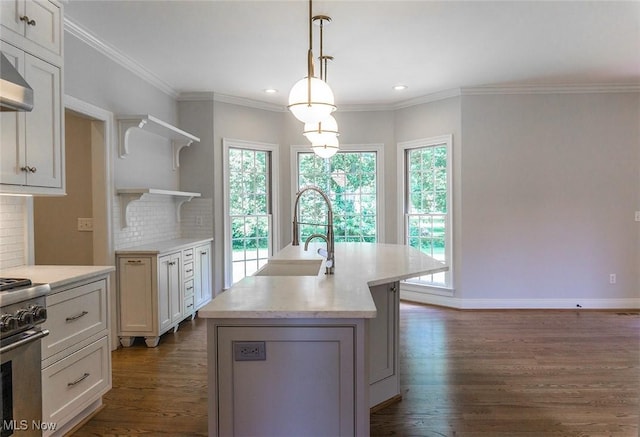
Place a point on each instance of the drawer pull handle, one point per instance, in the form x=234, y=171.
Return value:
x=189, y=270
x=134, y=261
x=77, y=316
x=79, y=380
x=28, y=21
x=203, y=253
x=189, y=288
x=190, y=306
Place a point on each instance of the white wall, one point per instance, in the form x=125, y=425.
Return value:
x=550, y=184
x=92, y=77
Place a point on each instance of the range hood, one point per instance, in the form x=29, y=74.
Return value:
x=15, y=92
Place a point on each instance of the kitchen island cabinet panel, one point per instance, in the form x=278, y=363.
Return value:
x=305, y=385
x=384, y=378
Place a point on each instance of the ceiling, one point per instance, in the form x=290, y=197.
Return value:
x=239, y=48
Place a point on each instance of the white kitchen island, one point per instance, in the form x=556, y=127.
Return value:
x=292, y=351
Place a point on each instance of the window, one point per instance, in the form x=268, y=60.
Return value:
x=249, y=227
x=351, y=179
x=426, y=202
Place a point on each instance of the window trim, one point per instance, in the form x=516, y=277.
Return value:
x=402, y=149
x=378, y=149
x=229, y=143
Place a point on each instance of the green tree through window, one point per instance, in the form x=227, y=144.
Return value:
x=249, y=210
x=349, y=179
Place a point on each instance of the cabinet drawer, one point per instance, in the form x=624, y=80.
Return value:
x=188, y=270
x=188, y=288
x=189, y=307
x=187, y=255
x=74, y=315
x=74, y=381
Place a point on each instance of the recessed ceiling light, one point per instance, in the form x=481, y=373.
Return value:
x=400, y=87
x=270, y=90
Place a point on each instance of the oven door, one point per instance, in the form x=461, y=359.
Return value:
x=21, y=390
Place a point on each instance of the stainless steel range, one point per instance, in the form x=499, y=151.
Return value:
x=22, y=310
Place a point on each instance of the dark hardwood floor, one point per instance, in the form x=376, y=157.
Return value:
x=464, y=373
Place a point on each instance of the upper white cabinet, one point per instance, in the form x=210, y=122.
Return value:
x=32, y=25
x=31, y=143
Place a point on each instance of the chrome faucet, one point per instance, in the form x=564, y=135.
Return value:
x=329, y=253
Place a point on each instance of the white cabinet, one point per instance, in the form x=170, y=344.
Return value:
x=157, y=287
x=169, y=293
x=202, y=275
x=32, y=24
x=384, y=378
x=31, y=143
x=76, y=358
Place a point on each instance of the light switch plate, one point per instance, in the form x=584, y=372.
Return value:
x=638, y=216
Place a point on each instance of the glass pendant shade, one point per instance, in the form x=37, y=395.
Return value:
x=326, y=149
x=311, y=100
x=321, y=132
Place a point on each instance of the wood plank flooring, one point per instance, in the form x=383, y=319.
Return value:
x=463, y=373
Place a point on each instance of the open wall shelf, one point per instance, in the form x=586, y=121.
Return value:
x=128, y=195
x=149, y=123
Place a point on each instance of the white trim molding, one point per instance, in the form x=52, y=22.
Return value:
x=228, y=143
x=519, y=304
x=118, y=57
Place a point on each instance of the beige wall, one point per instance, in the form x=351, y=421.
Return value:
x=56, y=236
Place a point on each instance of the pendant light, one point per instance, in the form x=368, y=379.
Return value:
x=311, y=99
x=327, y=147
x=323, y=135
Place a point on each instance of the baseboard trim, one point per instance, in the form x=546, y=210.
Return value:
x=458, y=303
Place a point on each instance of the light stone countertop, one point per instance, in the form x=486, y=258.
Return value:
x=163, y=246
x=342, y=295
x=55, y=276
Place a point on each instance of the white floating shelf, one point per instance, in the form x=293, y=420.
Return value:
x=128, y=195
x=149, y=123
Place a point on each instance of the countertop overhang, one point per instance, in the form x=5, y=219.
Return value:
x=345, y=294
x=55, y=276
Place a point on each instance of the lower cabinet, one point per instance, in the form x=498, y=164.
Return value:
x=287, y=379
x=76, y=357
x=158, y=288
x=384, y=377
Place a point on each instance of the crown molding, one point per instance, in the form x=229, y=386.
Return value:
x=551, y=89
x=118, y=57
x=115, y=55
x=249, y=102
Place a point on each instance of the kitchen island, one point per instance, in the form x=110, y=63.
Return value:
x=292, y=351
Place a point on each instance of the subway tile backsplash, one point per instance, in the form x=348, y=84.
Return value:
x=13, y=231
x=152, y=219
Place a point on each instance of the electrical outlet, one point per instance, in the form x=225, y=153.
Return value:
x=249, y=351
x=85, y=224
x=638, y=216
x=612, y=278
x=199, y=220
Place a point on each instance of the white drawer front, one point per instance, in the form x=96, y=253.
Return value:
x=74, y=315
x=75, y=381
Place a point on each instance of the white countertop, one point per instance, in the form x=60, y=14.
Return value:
x=163, y=246
x=55, y=276
x=345, y=294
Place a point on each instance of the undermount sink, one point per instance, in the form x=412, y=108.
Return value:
x=291, y=268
